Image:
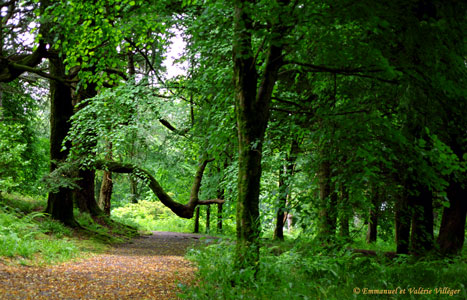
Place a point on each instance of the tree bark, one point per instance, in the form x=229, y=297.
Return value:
x=452, y=231
x=196, y=229
x=208, y=218
x=84, y=196
x=252, y=110
x=280, y=216
x=422, y=239
x=105, y=193
x=220, y=195
x=402, y=222
x=59, y=204
x=219, y=218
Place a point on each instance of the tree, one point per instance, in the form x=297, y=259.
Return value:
x=252, y=105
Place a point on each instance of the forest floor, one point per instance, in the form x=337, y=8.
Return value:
x=149, y=267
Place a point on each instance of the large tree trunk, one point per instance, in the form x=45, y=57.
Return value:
x=59, y=204
x=422, y=239
x=452, y=231
x=252, y=109
x=84, y=196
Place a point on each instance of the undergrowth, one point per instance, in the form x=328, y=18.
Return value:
x=303, y=269
x=29, y=237
x=151, y=216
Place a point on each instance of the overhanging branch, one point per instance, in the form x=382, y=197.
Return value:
x=181, y=210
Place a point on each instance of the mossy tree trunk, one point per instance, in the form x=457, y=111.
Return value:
x=84, y=196
x=60, y=203
x=106, y=189
x=252, y=109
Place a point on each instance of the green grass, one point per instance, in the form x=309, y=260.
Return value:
x=302, y=269
x=30, y=237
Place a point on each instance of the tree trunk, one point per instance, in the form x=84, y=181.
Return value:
x=344, y=215
x=59, y=204
x=422, y=239
x=402, y=222
x=196, y=229
x=84, y=196
x=285, y=174
x=208, y=218
x=289, y=221
x=372, y=232
x=220, y=195
x=452, y=231
x=105, y=192
x=219, y=218
x=327, y=203
x=280, y=216
x=133, y=189
x=252, y=110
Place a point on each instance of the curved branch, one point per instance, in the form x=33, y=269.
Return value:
x=10, y=70
x=181, y=210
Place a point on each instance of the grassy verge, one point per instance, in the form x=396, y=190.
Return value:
x=29, y=237
x=302, y=269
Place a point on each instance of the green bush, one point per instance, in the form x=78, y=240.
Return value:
x=151, y=216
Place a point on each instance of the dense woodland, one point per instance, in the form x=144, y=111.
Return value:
x=307, y=133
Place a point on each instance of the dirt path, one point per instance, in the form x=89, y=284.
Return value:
x=148, y=268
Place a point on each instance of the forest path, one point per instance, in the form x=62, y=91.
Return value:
x=147, y=268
